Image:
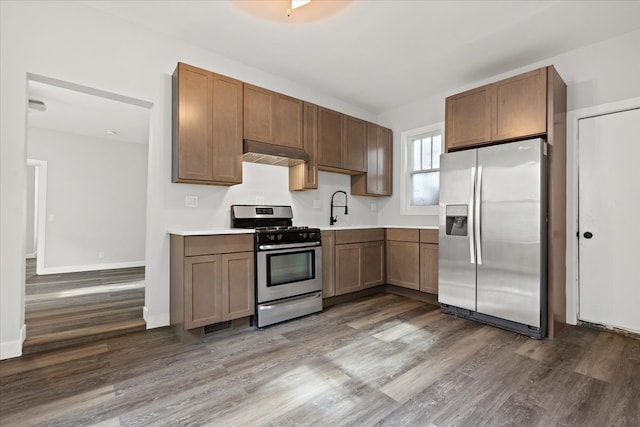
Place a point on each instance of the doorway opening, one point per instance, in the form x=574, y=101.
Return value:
x=86, y=213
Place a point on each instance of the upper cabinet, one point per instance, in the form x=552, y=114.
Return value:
x=509, y=109
x=341, y=142
x=207, y=127
x=305, y=176
x=272, y=117
x=377, y=180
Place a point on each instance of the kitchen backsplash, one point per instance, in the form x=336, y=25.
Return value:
x=269, y=185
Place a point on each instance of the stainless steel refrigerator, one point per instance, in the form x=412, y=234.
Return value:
x=493, y=245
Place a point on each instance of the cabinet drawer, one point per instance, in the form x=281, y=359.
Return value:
x=403, y=234
x=217, y=244
x=429, y=236
x=356, y=236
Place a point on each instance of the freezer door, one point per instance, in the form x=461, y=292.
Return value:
x=511, y=237
x=457, y=269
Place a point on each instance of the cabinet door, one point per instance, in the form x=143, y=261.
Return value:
x=385, y=161
x=348, y=268
x=373, y=264
x=354, y=142
x=192, y=110
x=403, y=268
x=520, y=107
x=238, y=294
x=429, y=268
x=305, y=176
x=288, y=121
x=328, y=264
x=258, y=114
x=203, y=291
x=227, y=129
x=468, y=118
x=329, y=138
x=377, y=180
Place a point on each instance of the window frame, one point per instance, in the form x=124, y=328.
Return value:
x=406, y=139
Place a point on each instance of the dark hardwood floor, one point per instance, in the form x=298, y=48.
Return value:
x=382, y=360
x=65, y=309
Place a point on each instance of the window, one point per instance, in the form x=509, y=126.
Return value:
x=421, y=149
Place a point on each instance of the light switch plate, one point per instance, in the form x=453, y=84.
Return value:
x=191, y=201
x=316, y=204
x=259, y=200
x=374, y=206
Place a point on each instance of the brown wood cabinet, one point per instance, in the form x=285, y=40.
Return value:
x=359, y=259
x=513, y=108
x=212, y=280
x=341, y=142
x=403, y=257
x=272, y=117
x=328, y=263
x=305, y=176
x=377, y=180
x=429, y=261
x=207, y=127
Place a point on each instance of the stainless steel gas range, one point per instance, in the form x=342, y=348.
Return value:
x=288, y=263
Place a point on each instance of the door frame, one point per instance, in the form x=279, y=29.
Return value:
x=572, y=256
x=40, y=210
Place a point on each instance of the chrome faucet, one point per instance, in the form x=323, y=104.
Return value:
x=332, y=219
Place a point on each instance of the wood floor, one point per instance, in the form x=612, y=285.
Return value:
x=383, y=360
x=64, y=309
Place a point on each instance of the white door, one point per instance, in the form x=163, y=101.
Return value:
x=609, y=219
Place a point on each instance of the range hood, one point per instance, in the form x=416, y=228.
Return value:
x=260, y=152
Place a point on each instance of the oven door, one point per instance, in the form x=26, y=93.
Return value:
x=284, y=271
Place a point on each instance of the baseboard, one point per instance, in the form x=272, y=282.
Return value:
x=91, y=267
x=155, y=321
x=11, y=349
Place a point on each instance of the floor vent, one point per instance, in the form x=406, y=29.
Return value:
x=217, y=327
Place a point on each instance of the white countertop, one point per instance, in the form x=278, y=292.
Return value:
x=211, y=231
x=222, y=230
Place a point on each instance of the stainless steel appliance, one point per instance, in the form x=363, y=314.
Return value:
x=288, y=263
x=493, y=248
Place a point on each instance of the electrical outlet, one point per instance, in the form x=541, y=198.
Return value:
x=316, y=204
x=259, y=200
x=101, y=255
x=191, y=201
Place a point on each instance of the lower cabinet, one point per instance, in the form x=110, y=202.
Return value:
x=212, y=279
x=412, y=259
x=403, y=257
x=429, y=268
x=359, y=259
x=429, y=261
x=328, y=263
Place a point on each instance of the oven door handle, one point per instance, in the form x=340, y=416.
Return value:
x=288, y=246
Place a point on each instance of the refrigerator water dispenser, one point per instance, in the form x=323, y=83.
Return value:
x=456, y=220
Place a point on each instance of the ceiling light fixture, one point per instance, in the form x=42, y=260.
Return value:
x=111, y=132
x=296, y=4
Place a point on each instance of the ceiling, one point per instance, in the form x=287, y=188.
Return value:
x=83, y=114
x=378, y=55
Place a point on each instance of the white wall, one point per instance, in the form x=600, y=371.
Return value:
x=96, y=200
x=75, y=43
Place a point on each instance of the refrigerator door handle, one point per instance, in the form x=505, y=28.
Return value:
x=470, y=220
x=477, y=222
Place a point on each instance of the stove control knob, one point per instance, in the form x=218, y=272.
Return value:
x=271, y=237
x=304, y=235
x=279, y=236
